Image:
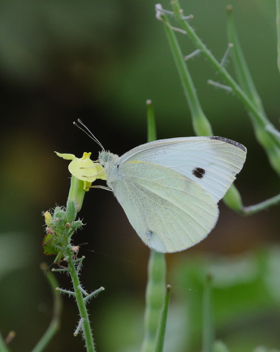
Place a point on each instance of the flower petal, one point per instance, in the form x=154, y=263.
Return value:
x=65, y=156
x=84, y=170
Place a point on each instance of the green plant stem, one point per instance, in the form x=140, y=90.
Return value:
x=252, y=209
x=241, y=68
x=263, y=135
x=3, y=347
x=155, y=294
x=163, y=321
x=152, y=133
x=76, y=193
x=249, y=105
x=80, y=303
x=208, y=333
x=201, y=125
x=57, y=308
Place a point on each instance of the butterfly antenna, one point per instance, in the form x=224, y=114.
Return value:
x=88, y=132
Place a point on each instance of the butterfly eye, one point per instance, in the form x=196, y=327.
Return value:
x=198, y=172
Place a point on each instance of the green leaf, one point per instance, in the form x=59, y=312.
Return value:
x=48, y=246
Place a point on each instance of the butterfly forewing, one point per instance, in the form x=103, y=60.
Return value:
x=211, y=162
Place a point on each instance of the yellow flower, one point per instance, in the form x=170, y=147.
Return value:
x=48, y=218
x=84, y=168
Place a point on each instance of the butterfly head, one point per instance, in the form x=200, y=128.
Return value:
x=106, y=158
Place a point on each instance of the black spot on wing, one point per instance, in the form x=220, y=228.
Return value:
x=198, y=172
x=149, y=234
x=230, y=141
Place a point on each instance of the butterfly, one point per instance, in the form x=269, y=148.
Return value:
x=170, y=188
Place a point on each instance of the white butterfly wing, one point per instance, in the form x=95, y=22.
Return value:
x=211, y=162
x=169, y=211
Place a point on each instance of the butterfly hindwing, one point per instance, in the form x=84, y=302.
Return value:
x=169, y=211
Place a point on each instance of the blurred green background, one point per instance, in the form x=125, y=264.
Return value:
x=100, y=61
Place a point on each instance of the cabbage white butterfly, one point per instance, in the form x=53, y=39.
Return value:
x=170, y=188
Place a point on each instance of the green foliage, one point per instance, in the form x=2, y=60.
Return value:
x=244, y=295
x=61, y=225
x=264, y=131
x=48, y=246
x=60, y=229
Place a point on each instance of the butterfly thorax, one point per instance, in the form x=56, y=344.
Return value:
x=110, y=162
